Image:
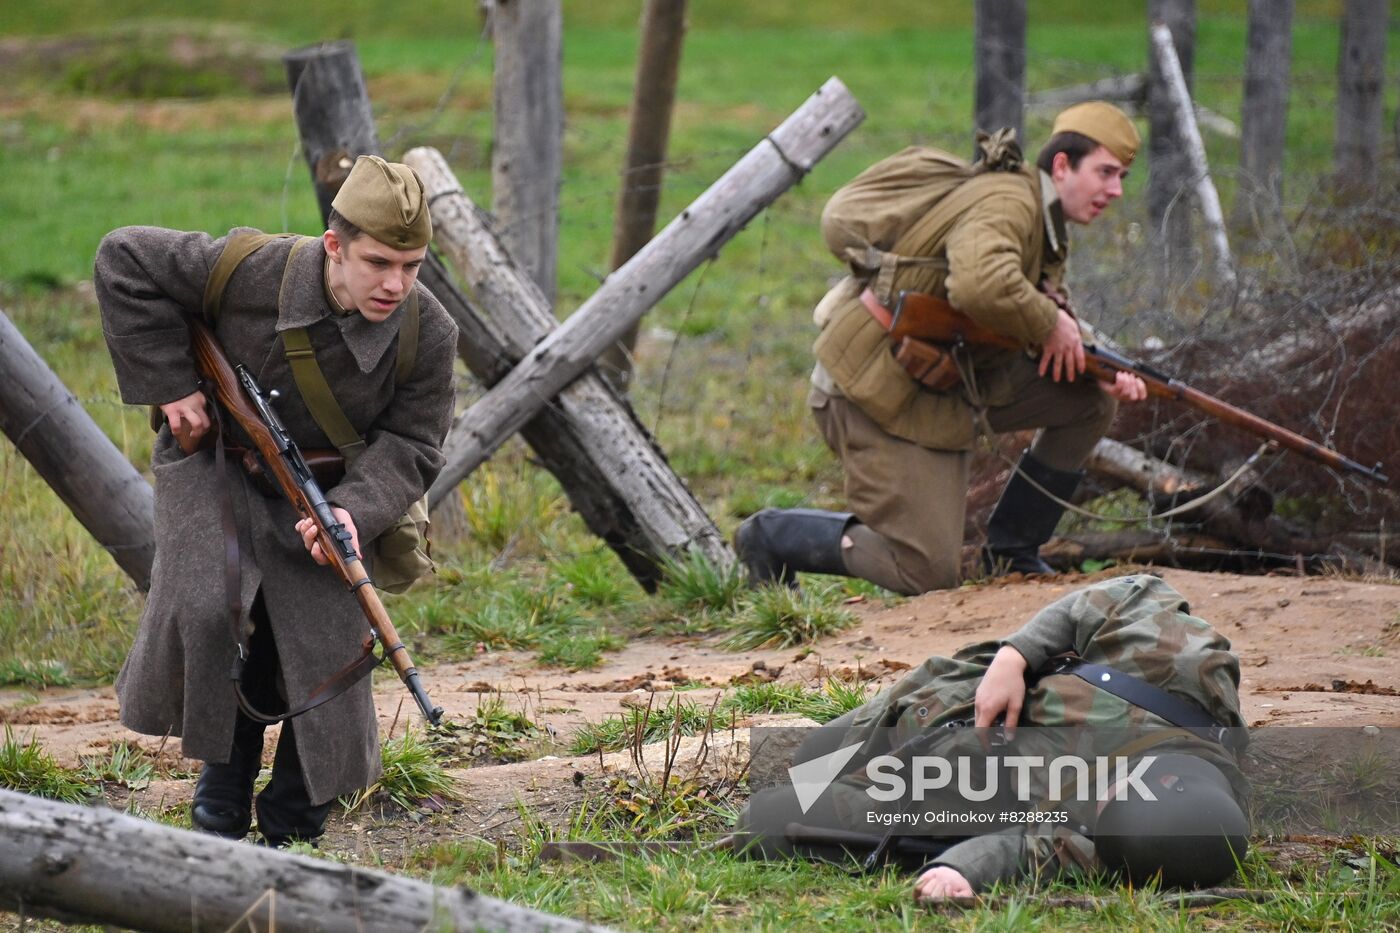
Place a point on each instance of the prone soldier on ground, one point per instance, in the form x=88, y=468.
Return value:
x=1122, y=664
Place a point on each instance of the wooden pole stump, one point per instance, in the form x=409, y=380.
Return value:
x=1195, y=152
x=653, y=95
x=528, y=144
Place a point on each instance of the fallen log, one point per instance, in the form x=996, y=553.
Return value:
x=783, y=157
x=94, y=865
x=49, y=427
x=616, y=443
x=1239, y=522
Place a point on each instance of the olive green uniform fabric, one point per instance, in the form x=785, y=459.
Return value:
x=1137, y=624
x=904, y=448
x=176, y=678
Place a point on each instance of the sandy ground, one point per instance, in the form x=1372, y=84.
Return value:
x=1314, y=651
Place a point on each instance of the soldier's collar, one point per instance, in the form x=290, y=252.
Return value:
x=1056, y=234
x=304, y=302
x=338, y=309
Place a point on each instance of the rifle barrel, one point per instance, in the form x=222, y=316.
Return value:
x=1102, y=363
x=928, y=317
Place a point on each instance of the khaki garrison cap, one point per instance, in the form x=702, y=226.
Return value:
x=385, y=200
x=1105, y=124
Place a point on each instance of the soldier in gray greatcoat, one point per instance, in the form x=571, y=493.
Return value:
x=351, y=290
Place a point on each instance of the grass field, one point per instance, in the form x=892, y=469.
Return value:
x=98, y=129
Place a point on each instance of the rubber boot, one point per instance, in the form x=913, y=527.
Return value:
x=223, y=795
x=1024, y=518
x=774, y=544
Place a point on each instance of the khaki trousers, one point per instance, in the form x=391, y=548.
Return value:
x=911, y=500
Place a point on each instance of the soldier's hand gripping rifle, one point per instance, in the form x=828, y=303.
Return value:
x=930, y=318
x=252, y=409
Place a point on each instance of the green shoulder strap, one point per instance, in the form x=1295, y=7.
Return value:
x=316, y=391
x=238, y=248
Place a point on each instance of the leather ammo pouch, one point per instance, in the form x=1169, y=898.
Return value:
x=927, y=363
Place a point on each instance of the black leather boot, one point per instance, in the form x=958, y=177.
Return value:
x=1024, y=519
x=774, y=544
x=285, y=811
x=223, y=796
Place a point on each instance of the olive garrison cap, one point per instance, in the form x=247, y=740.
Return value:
x=1105, y=124
x=386, y=201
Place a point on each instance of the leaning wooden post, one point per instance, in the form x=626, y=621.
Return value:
x=1001, y=66
x=1360, y=93
x=669, y=519
x=1264, y=113
x=336, y=125
x=99, y=866
x=1168, y=170
x=770, y=168
x=654, y=93
x=528, y=142
x=53, y=432
x=1196, y=154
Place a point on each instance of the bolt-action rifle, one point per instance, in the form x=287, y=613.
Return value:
x=235, y=388
x=932, y=319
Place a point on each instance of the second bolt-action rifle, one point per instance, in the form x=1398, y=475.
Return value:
x=930, y=318
x=236, y=390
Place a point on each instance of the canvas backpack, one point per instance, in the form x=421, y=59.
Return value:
x=892, y=218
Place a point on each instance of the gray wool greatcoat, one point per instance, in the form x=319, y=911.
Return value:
x=176, y=678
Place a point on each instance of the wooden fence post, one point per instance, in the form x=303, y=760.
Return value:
x=527, y=146
x=563, y=444
x=1168, y=169
x=94, y=479
x=653, y=95
x=759, y=178
x=1360, y=93
x=1001, y=66
x=1264, y=113
x=669, y=520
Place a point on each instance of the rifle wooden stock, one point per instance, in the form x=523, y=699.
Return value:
x=218, y=372
x=928, y=317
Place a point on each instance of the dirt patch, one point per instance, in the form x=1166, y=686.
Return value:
x=1287, y=631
